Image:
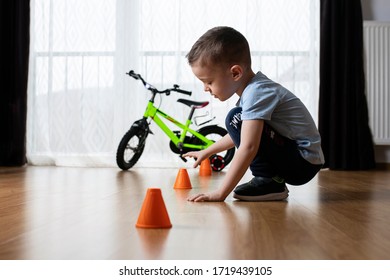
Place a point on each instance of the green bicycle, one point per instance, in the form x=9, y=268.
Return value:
x=182, y=141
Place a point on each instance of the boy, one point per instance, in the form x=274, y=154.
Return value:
x=275, y=134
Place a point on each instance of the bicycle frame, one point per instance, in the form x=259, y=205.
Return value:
x=154, y=113
x=186, y=139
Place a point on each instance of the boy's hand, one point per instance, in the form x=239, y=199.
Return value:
x=212, y=196
x=199, y=156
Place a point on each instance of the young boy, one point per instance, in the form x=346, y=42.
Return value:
x=273, y=131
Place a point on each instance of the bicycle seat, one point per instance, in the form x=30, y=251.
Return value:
x=194, y=104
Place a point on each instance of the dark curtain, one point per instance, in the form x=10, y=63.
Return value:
x=343, y=114
x=14, y=34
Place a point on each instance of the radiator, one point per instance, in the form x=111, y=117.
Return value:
x=377, y=71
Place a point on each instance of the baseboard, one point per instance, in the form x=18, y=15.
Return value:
x=382, y=153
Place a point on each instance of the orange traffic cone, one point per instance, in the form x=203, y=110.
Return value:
x=182, y=180
x=153, y=213
x=205, y=168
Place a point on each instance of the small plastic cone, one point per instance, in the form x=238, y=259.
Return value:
x=205, y=168
x=182, y=180
x=153, y=213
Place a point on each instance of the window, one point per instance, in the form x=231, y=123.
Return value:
x=80, y=100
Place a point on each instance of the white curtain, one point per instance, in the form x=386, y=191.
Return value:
x=81, y=102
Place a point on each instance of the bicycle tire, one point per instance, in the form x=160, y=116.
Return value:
x=228, y=156
x=128, y=153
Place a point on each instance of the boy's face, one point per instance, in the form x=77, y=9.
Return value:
x=217, y=80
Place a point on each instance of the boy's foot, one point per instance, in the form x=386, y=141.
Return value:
x=262, y=189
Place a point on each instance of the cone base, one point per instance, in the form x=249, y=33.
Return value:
x=152, y=226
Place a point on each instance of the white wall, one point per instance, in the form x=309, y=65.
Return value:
x=378, y=10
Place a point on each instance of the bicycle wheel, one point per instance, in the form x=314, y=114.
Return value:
x=221, y=160
x=130, y=148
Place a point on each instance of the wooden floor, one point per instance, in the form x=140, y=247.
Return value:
x=90, y=213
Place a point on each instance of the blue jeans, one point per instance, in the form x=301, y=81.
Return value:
x=276, y=156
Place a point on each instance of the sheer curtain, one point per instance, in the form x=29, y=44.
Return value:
x=81, y=102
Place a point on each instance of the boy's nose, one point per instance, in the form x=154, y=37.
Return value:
x=206, y=88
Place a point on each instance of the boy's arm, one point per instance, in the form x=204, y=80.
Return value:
x=251, y=131
x=222, y=144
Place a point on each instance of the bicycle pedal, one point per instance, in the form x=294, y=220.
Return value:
x=183, y=158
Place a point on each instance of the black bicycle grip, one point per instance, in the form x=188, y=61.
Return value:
x=133, y=74
x=183, y=91
x=176, y=88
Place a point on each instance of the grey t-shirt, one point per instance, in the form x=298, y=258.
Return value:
x=269, y=101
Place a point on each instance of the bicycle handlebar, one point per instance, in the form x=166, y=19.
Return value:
x=155, y=90
x=176, y=88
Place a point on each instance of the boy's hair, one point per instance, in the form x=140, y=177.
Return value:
x=222, y=46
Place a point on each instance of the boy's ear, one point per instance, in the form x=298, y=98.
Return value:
x=236, y=71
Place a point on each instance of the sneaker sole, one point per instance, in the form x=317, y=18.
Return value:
x=267, y=197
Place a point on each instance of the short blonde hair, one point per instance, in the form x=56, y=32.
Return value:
x=220, y=45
